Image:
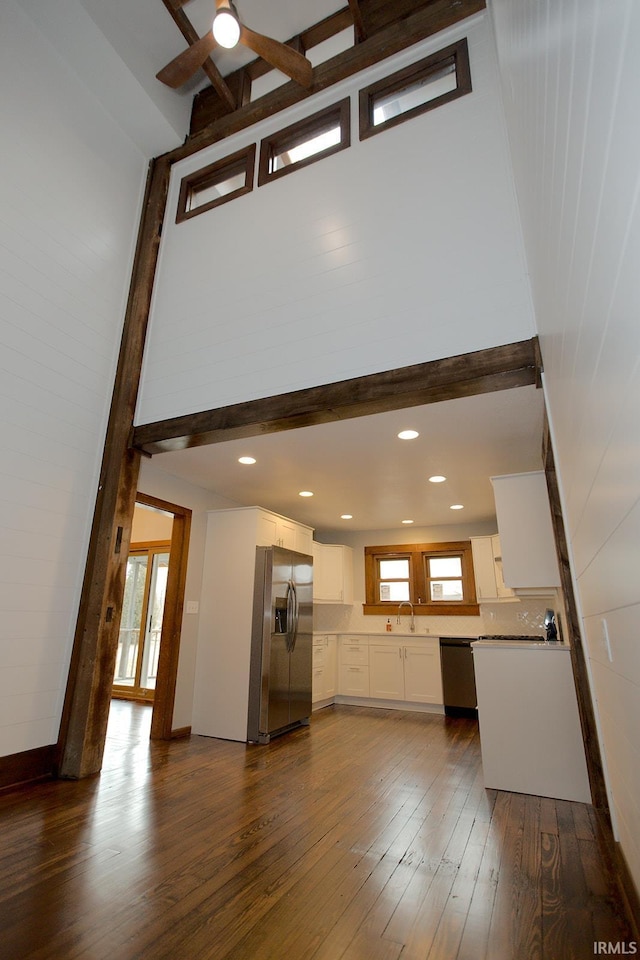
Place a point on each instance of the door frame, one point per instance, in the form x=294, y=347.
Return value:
x=166, y=679
x=150, y=550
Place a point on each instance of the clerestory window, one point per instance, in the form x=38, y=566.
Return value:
x=311, y=139
x=217, y=183
x=438, y=79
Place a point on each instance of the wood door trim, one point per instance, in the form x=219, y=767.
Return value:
x=166, y=678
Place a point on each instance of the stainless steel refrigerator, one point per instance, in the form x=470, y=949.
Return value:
x=281, y=643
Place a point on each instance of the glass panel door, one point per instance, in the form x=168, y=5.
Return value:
x=141, y=623
x=155, y=608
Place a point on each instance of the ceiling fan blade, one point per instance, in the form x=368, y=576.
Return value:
x=183, y=67
x=279, y=55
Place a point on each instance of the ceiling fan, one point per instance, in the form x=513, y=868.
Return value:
x=227, y=31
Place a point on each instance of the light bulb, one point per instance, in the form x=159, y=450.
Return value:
x=226, y=29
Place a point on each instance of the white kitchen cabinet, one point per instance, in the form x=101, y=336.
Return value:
x=353, y=669
x=405, y=671
x=386, y=671
x=422, y=672
x=529, y=559
x=487, y=569
x=332, y=573
x=530, y=733
x=277, y=531
x=324, y=668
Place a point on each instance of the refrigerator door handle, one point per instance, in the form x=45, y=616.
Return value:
x=292, y=615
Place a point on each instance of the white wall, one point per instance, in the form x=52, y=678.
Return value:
x=572, y=88
x=150, y=524
x=69, y=206
x=156, y=483
x=401, y=249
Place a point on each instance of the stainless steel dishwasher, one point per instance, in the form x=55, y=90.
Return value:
x=458, y=677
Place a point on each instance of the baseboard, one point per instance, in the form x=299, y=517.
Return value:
x=628, y=891
x=180, y=733
x=320, y=704
x=36, y=764
x=408, y=705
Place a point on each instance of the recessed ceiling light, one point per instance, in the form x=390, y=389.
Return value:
x=408, y=434
x=437, y=479
x=305, y=493
x=246, y=459
x=457, y=506
x=346, y=516
x=407, y=521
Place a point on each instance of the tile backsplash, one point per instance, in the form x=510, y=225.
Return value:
x=524, y=616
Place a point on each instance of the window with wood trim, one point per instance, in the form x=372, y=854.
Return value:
x=437, y=578
x=218, y=183
x=438, y=79
x=325, y=133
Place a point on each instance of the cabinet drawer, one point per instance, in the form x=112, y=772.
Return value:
x=319, y=654
x=354, y=680
x=354, y=653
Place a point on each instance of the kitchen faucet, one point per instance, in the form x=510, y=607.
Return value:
x=412, y=626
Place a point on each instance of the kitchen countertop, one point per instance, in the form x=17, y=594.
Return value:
x=383, y=635
x=420, y=635
x=532, y=644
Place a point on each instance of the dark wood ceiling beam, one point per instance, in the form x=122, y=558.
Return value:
x=327, y=28
x=360, y=33
x=428, y=20
x=485, y=371
x=190, y=34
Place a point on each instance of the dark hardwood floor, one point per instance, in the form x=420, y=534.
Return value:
x=367, y=836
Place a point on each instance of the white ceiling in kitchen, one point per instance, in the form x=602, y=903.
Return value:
x=360, y=467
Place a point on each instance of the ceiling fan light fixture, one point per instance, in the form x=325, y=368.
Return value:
x=226, y=27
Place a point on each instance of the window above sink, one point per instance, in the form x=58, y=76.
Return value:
x=437, y=578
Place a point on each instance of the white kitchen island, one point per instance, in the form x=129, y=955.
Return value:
x=530, y=733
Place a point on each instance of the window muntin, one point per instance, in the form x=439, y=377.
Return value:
x=314, y=138
x=431, y=82
x=217, y=183
x=436, y=578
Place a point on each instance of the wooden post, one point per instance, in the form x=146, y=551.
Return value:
x=86, y=708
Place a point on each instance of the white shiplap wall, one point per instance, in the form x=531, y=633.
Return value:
x=572, y=89
x=400, y=249
x=70, y=194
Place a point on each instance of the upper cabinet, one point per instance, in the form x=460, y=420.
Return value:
x=529, y=560
x=487, y=569
x=332, y=573
x=277, y=531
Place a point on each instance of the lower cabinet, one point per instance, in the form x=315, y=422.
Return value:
x=353, y=672
x=386, y=671
x=406, y=671
x=324, y=677
x=401, y=670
